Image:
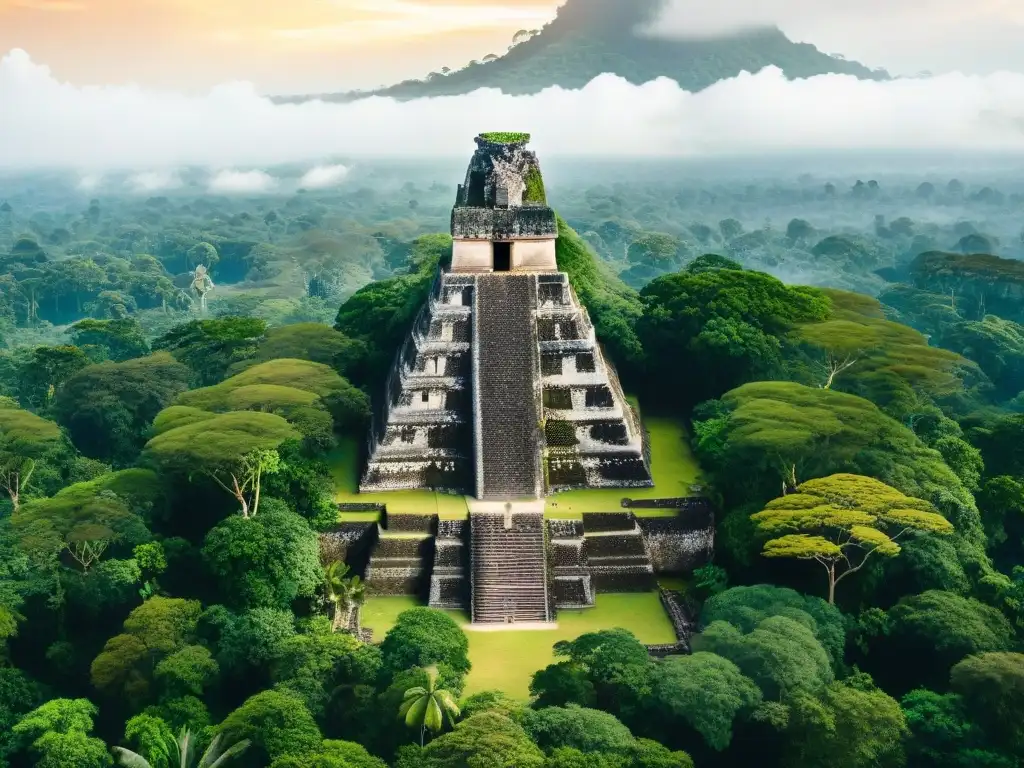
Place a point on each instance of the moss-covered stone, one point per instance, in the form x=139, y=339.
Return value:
x=560, y=434
x=506, y=137
x=535, y=192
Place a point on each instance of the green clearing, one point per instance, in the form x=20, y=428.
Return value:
x=344, y=463
x=674, y=469
x=506, y=661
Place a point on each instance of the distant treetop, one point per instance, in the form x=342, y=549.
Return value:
x=505, y=137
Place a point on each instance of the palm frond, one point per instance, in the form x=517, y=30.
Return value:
x=415, y=693
x=433, y=718
x=416, y=711
x=448, y=704
x=130, y=759
x=185, y=746
x=235, y=749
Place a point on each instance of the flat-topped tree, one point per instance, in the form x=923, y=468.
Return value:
x=842, y=520
x=233, y=449
x=24, y=438
x=85, y=519
x=311, y=396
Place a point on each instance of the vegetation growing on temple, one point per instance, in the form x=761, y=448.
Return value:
x=535, y=192
x=506, y=137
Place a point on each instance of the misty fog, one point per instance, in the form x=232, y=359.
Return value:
x=232, y=128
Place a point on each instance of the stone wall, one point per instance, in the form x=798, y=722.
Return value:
x=349, y=543
x=679, y=544
x=504, y=224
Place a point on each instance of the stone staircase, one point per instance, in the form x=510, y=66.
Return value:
x=509, y=565
x=507, y=419
x=617, y=555
x=449, y=581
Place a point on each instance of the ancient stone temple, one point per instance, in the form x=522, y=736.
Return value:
x=501, y=391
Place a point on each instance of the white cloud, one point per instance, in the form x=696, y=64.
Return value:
x=323, y=176
x=90, y=181
x=241, y=181
x=905, y=36
x=50, y=124
x=153, y=181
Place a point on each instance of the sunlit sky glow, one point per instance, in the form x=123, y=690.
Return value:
x=310, y=46
x=298, y=45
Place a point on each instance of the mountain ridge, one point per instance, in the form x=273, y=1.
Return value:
x=589, y=38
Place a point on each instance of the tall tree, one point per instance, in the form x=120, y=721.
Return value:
x=59, y=731
x=107, y=408
x=210, y=347
x=24, y=439
x=266, y=560
x=712, y=330
x=234, y=450
x=842, y=520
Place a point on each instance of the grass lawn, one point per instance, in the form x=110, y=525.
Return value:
x=507, y=660
x=673, y=468
x=344, y=463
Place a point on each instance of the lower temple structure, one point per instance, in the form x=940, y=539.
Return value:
x=506, y=566
x=501, y=392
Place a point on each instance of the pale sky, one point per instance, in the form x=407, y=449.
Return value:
x=327, y=45
x=292, y=46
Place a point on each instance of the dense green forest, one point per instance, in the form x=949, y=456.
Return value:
x=848, y=354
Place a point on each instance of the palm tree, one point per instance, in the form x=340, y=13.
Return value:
x=183, y=753
x=428, y=708
x=353, y=597
x=334, y=581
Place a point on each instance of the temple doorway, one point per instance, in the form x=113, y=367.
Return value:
x=502, y=257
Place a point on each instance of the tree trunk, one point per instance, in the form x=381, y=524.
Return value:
x=423, y=734
x=241, y=497
x=256, y=493
x=335, y=616
x=12, y=482
x=832, y=585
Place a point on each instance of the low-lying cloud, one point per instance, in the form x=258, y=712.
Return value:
x=47, y=123
x=153, y=181
x=324, y=176
x=242, y=181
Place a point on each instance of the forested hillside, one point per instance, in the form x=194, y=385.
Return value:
x=593, y=37
x=849, y=357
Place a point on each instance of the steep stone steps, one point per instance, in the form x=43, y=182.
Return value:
x=507, y=421
x=509, y=569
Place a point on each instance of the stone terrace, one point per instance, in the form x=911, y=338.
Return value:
x=398, y=564
x=572, y=585
x=449, y=581
x=617, y=555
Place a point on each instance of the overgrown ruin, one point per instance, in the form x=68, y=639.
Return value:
x=502, y=393
x=501, y=390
